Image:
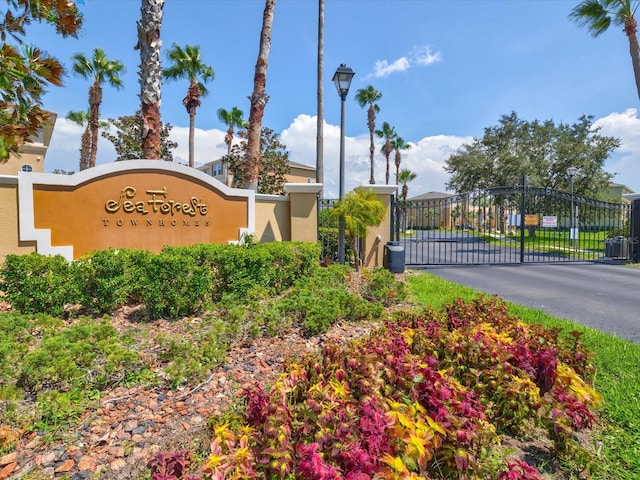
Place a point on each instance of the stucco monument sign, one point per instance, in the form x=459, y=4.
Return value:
x=141, y=204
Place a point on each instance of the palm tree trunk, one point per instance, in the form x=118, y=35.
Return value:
x=192, y=128
x=85, y=149
x=95, y=99
x=372, y=148
x=228, y=139
x=631, y=29
x=259, y=100
x=150, y=76
x=320, y=126
x=387, y=154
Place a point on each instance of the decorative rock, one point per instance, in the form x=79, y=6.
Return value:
x=65, y=466
x=118, y=464
x=7, y=470
x=87, y=463
x=7, y=459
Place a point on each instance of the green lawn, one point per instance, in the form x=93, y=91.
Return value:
x=617, y=377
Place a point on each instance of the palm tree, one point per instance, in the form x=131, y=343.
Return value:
x=81, y=119
x=404, y=177
x=388, y=133
x=369, y=96
x=360, y=209
x=232, y=119
x=187, y=64
x=150, y=76
x=99, y=69
x=398, y=144
x=259, y=99
x=598, y=15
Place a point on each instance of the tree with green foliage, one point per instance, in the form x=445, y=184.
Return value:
x=388, y=133
x=360, y=209
x=369, y=96
x=598, y=15
x=232, y=119
x=543, y=151
x=26, y=70
x=274, y=162
x=127, y=139
x=98, y=69
x=186, y=63
x=82, y=119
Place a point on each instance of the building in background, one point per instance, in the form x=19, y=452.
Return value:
x=299, y=172
x=31, y=158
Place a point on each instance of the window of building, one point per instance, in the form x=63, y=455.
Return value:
x=217, y=169
x=26, y=168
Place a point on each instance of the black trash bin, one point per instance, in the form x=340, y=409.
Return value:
x=394, y=257
x=617, y=247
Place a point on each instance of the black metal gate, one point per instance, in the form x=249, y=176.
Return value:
x=517, y=224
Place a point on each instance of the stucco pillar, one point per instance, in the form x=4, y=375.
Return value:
x=377, y=237
x=303, y=208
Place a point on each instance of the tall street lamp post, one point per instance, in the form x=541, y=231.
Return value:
x=342, y=79
x=571, y=171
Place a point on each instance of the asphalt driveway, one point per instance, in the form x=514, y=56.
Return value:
x=597, y=295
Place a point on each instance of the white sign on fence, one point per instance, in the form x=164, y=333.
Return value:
x=549, y=221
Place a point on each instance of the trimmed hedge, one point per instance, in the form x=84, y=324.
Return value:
x=178, y=281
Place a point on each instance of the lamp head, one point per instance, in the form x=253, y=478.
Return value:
x=342, y=79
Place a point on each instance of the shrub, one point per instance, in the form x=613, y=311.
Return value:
x=108, y=279
x=175, y=285
x=380, y=285
x=238, y=269
x=37, y=283
x=86, y=354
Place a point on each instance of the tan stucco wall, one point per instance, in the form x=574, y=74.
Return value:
x=272, y=218
x=304, y=214
x=9, y=220
x=300, y=175
x=32, y=154
x=373, y=249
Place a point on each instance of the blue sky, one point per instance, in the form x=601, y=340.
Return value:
x=446, y=69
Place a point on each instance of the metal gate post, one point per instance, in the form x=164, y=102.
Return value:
x=392, y=233
x=635, y=231
x=522, y=208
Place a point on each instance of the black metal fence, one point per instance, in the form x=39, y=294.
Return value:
x=515, y=224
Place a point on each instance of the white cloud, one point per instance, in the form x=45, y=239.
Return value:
x=420, y=56
x=64, y=150
x=382, y=68
x=625, y=163
x=208, y=145
x=426, y=157
x=424, y=56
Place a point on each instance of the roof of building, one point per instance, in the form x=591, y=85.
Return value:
x=625, y=189
x=291, y=164
x=431, y=196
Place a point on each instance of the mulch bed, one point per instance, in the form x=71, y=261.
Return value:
x=132, y=424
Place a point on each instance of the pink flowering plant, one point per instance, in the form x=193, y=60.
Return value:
x=428, y=395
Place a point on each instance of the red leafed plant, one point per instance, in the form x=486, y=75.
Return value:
x=519, y=470
x=170, y=466
x=425, y=396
